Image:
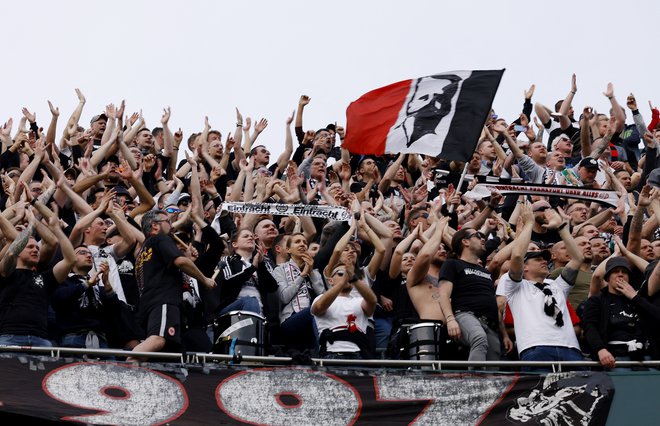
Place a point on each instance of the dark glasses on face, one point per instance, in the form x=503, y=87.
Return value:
x=479, y=235
x=172, y=210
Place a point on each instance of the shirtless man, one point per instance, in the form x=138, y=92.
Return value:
x=422, y=279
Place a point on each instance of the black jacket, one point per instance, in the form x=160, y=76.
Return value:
x=233, y=274
x=596, y=317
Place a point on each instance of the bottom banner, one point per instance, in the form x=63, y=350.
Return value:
x=118, y=393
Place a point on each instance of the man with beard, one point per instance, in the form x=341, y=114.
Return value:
x=579, y=292
x=467, y=299
x=158, y=271
x=600, y=250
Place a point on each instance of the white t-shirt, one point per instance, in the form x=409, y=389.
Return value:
x=336, y=318
x=532, y=326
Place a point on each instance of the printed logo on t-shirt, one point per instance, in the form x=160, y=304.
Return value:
x=171, y=331
x=470, y=271
x=39, y=280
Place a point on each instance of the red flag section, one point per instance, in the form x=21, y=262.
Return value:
x=370, y=118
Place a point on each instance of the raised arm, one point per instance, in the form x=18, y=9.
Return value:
x=8, y=262
x=564, y=121
x=400, y=250
x=339, y=248
x=520, y=244
x=72, y=123
x=423, y=260
x=63, y=267
x=283, y=159
x=617, y=111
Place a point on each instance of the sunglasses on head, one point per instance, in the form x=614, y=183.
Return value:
x=172, y=210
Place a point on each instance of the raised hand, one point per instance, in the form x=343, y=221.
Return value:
x=289, y=120
x=609, y=93
x=28, y=115
x=309, y=136
x=530, y=92
x=573, y=83
x=644, y=196
x=261, y=125
x=304, y=100
x=247, y=125
x=554, y=219
x=5, y=131
x=340, y=131
x=81, y=97
x=53, y=110
x=110, y=111
x=120, y=111
x=631, y=102
x=166, y=116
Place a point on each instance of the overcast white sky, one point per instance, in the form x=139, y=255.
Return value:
x=206, y=57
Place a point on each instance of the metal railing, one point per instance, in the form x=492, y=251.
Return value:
x=206, y=358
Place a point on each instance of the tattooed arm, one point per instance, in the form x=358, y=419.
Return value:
x=8, y=263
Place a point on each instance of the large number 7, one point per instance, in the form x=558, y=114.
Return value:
x=122, y=394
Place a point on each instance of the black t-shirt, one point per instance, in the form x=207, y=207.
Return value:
x=623, y=324
x=473, y=291
x=159, y=280
x=24, y=302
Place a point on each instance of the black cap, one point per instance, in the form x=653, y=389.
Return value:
x=616, y=262
x=184, y=196
x=98, y=117
x=589, y=163
x=545, y=254
x=121, y=190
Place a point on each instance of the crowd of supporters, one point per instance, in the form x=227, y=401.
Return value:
x=114, y=235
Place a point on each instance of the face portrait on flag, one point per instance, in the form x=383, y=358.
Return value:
x=438, y=115
x=433, y=99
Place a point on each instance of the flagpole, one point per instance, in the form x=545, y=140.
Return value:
x=450, y=209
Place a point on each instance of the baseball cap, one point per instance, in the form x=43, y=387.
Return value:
x=98, y=117
x=545, y=254
x=589, y=163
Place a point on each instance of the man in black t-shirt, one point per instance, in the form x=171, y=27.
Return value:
x=24, y=291
x=158, y=272
x=467, y=299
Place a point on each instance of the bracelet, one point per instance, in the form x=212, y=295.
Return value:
x=573, y=91
x=562, y=226
x=610, y=97
x=239, y=124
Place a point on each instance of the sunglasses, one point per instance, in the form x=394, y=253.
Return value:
x=479, y=235
x=172, y=210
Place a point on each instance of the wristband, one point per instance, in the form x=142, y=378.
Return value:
x=562, y=226
x=239, y=124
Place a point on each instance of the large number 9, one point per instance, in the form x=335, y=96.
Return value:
x=122, y=394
